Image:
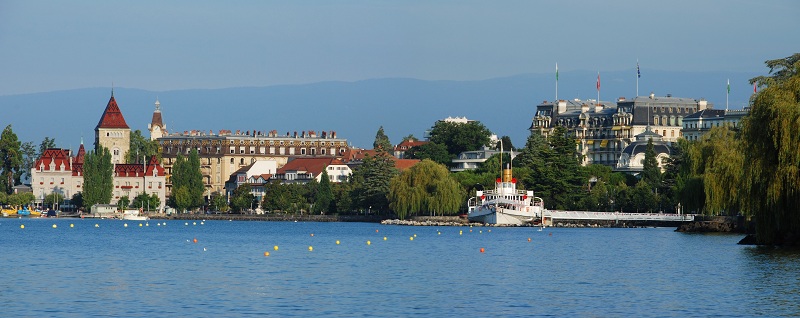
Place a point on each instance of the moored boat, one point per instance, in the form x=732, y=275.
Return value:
x=505, y=204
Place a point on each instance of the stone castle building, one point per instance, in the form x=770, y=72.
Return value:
x=58, y=171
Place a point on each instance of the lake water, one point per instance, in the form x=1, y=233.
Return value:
x=158, y=270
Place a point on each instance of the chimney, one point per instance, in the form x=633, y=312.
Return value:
x=598, y=107
x=584, y=108
x=562, y=107
x=702, y=105
x=652, y=96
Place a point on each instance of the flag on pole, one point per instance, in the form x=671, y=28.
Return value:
x=598, y=81
x=556, y=72
x=638, y=74
x=729, y=86
x=755, y=90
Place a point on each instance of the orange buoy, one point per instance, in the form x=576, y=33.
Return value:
x=529, y=239
x=266, y=253
x=376, y=230
x=194, y=240
x=312, y=234
x=482, y=250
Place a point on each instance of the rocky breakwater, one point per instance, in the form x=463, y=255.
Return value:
x=717, y=224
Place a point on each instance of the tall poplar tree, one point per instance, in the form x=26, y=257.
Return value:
x=187, y=182
x=323, y=199
x=98, y=173
x=11, y=158
x=771, y=135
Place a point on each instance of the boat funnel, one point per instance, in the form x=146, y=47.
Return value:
x=507, y=172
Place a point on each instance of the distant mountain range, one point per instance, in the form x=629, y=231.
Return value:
x=355, y=110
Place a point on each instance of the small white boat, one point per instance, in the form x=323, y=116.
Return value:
x=133, y=215
x=505, y=204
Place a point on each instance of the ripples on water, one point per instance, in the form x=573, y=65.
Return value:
x=158, y=271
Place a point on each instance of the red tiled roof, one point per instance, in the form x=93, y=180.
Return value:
x=312, y=165
x=112, y=116
x=403, y=164
x=55, y=156
x=407, y=144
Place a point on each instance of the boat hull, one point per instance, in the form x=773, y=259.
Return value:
x=501, y=216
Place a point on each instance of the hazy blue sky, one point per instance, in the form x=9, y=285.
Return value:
x=165, y=45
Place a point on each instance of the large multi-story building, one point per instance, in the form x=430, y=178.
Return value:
x=603, y=129
x=698, y=124
x=224, y=153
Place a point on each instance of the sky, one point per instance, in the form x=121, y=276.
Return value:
x=168, y=45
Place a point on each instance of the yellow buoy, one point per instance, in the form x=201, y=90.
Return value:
x=384, y=238
x=22, y=226
x=140, y=224
x=96, y=225
x=460, y=232
x=275, y=248
x=55, y=226
x=125, y=225
x=415, y=235
x=337, y=242
x=439, y=233
x=310, y=248
x=147, y=224
x=368, y=242
x=266, y=253
x=411, y=238
x=71, y=225
x=480, y=232
x=194, y=223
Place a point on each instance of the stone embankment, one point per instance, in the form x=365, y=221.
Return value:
x=271, y=217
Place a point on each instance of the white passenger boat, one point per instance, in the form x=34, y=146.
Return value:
x=505, y=204
x=133, y=215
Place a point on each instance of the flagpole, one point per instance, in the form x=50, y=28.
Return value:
x=637, y=77
x=556, y=82
x=726, y=94
x=598, y=87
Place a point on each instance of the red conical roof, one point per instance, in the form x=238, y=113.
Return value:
x=112, y=116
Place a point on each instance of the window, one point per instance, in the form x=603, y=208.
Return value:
x=150, y=184
x=62, y=180
x=302, y=151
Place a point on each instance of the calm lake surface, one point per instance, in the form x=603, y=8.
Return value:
x=158, y=270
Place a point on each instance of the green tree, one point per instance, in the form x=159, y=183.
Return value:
x=425, y=188
x=460, y=137
x=11, y=158
x=142, y=149
x=506, y=142
x=146, y=202
x=77, y=200
x=717, y=158
x=323, y=198
x=382, y=141
x=371, y=182
x=771, y=135
x=342, y=201
x=186, y=174
x=29, y=157
x=410, y=137
x=181, y=198
x=53, y=198
x=555, y=171
x=124, y=202
x=97, y=177
x=433, y=151
x=242, y=199
x=18, y=200
x=651, y=172
x=218, y=202
x=47, y=143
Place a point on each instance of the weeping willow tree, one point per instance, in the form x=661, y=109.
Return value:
x=771, y=136
x=717, y=158
x=425, y=188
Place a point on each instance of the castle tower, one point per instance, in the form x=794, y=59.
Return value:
x=156, y=126
x=112, y=132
